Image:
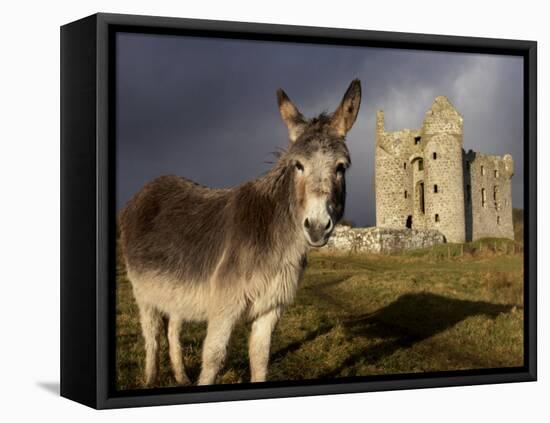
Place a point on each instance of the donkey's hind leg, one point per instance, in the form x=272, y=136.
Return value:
x=150, y=325
x=174, y=328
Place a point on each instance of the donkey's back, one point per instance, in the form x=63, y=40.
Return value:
x=175, y=227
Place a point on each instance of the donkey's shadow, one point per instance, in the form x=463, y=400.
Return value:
x=420, y=315
x=408, y=320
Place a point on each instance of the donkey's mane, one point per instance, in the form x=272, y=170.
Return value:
x=321, y=119
x=317, y=124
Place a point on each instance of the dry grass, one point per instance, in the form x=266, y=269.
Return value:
x=367, y=315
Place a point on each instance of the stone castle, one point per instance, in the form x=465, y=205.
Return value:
x=424, y=180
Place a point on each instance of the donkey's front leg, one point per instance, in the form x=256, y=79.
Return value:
x=259, y=344
x=215, y=346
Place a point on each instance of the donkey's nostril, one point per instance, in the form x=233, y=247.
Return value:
x=306, y=223
x=328, y=225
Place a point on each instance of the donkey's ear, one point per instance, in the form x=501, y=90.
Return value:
x=292, y=117
x=346, y=113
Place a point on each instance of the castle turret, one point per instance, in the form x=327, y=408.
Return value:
x=380, y=121
x=442, y=139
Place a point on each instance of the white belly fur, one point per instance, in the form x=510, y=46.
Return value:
x=191, y=301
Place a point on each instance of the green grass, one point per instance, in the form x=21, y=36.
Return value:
x=424, y=310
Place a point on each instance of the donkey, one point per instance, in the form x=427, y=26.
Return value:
x=199, y=254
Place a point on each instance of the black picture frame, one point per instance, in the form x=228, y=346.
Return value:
x=88, y=209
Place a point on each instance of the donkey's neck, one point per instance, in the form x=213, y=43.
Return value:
x=270, y=209
x=276, y=182
x=289, y=244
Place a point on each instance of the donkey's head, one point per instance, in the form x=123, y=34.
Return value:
x=318, y=159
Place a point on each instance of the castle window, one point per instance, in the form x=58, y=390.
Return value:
x=498, y=220
x=420, y=164
x=495, y=193
x=483, y=198
x=435, y=188
x=417, y=140
x=496, y=173
x=468, y=193
x=435, y=155
x=405, y=193
x=482, y=171
x=437, y=218
x=405, y=165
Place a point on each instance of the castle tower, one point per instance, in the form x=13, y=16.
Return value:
x=393, y=181
x=384, y=168
x=442, y=142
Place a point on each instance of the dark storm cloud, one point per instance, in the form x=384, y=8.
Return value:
x=206, y=109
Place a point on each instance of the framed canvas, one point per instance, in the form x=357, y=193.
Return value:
x=198, y=266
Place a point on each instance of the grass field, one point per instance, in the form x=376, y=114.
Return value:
x=449, y=308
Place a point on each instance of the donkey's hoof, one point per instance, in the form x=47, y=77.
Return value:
x=183, y=380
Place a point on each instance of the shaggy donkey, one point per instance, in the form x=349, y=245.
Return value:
x=200, y=254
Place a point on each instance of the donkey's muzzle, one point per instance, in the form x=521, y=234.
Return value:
x=318, y=231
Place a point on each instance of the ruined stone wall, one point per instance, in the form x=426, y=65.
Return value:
x=491, y=213
x=430, y=164
x=391, y=206
x=381, y=240
x=394, y=187
x=467, y=159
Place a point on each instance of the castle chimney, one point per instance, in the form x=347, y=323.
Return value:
x=380, y=121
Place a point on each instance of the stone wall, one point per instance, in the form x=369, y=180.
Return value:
x=490, y=216
x=381, y=240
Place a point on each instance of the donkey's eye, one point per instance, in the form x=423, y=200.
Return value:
x=340, y=168
x=299, y=166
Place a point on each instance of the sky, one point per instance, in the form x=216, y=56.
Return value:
x=206, y=108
